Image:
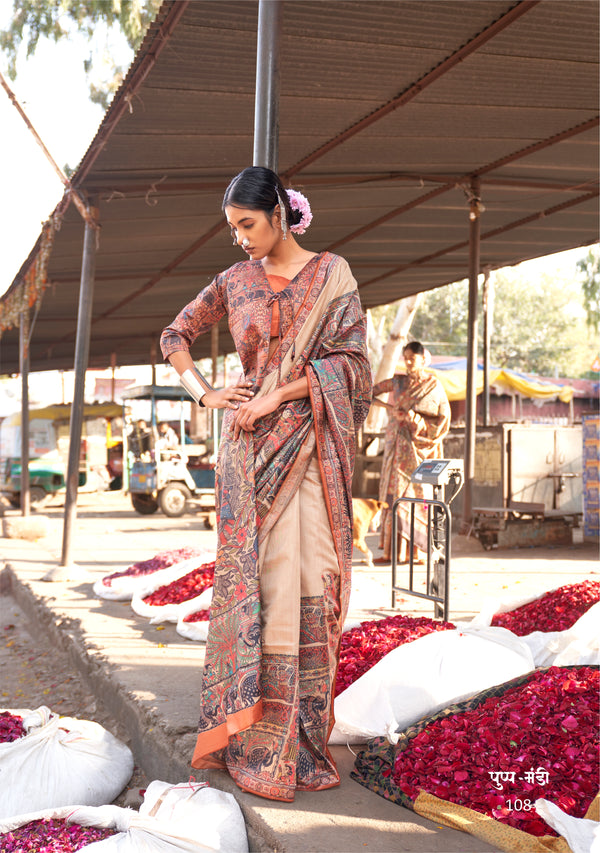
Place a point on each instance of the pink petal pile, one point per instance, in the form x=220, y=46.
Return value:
x=554, y=611
x=11, y=727
x=154, y=564
x=198, y=616
x=182, y=589
x=51, y=836
x=541, y=736
x=364, y=646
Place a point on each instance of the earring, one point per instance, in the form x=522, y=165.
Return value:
x=282, y=213
x=234, y=242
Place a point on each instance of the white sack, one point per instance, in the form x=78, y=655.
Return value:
x=123, y=588
x=172, y=819
x=581, y=834
x=502, y=603
x=578, y=645
x=170, y=612
x=423, y=676
x=197, y=631
x=61, y=761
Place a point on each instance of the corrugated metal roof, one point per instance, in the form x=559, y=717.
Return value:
x=387, y=109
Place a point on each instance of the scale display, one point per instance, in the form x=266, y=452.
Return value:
x=437, y=472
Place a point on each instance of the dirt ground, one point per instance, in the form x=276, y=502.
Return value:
x=33, y=676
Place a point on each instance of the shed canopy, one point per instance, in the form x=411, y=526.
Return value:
x=388, y=111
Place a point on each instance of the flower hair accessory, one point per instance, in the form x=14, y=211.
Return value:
x=300, y=202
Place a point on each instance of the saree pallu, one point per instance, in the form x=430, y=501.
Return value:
x=284, y=516
x=406, y=446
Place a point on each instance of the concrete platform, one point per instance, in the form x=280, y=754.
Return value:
x=148, y=677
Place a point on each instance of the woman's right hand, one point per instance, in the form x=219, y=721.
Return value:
x=228, y=398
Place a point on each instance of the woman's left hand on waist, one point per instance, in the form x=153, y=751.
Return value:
x=249, y=413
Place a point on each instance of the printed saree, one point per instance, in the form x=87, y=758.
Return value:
x=266, y=714
x=407, y=445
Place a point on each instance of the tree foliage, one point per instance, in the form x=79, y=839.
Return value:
x=33, y=20
x=589, y=274
x=538, y=323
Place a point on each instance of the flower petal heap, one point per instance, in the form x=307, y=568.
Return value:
x=11, y=727
x=155, y=564
x=538, y=739
x=364, y=646
x=52, y=835
x=554, y=611
x=198, y=616
x=189, y=586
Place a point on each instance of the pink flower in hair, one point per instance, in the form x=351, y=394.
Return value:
x=300, y=202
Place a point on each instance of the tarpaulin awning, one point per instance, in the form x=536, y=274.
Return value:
x=62, y=412
x=503, y=382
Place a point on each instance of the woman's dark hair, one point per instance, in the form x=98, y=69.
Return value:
x=416, y=347
x=256, y=188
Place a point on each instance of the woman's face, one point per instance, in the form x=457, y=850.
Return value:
x=254, y=230
x=414, y=361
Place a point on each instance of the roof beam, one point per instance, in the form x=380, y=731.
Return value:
x=344, y=180
x=541, y=214
x=504, y=21
x=465, y=179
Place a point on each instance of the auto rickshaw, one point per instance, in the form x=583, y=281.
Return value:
x=173, y=478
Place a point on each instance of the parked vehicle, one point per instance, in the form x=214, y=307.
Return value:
x=159, y=473
x=49, y=450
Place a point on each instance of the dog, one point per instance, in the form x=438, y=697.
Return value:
x=367, y=517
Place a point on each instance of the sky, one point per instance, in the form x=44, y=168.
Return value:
x=52, y=89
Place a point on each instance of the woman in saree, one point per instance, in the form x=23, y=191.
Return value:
x=419, y=420
x=283, y=486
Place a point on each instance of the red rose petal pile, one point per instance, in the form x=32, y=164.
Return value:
x=11, y=727
x=182, y=589
x=554, y=611
x=51, y=836
x=198, y=616
x=160, y=561
x=544, y=731
x=363, y=647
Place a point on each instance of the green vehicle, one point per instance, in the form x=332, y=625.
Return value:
x=48, y=451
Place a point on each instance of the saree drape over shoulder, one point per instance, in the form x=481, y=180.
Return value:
x=284, y=510
x=407, y=444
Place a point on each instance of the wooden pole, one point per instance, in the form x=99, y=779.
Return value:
x=78, y=202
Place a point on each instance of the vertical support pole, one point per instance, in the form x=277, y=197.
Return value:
x=153, y=361
x=266, y=102
x=82, y=349
x=113, y=365
x=24, y=359
x=471, y=401
x=488, y=302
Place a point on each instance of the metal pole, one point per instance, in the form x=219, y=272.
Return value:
x=82, y=348
x=153, y=361
x=24, y=358
x=471, y=401
x=488, y=298
x=266, y=103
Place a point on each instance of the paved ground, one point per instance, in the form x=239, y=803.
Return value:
x=97, y=659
